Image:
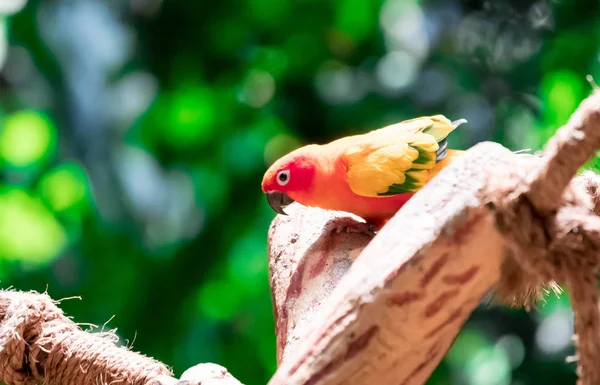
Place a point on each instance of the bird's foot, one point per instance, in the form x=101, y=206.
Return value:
x=351, y=226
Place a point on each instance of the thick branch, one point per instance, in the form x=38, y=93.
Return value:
x=399, y=307
x=490, y=219
x=309, y=257
x=565, y=153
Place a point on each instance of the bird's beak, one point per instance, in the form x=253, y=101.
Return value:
x=278, y=200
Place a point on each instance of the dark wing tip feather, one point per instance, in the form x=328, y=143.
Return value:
x=441, y=152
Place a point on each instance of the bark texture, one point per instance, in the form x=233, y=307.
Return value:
x=40, y=345
x=492, y=221
x=397, y=309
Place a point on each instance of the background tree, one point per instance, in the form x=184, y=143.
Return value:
x=134, y=133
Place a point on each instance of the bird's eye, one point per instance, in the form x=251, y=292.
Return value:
x=283, y=177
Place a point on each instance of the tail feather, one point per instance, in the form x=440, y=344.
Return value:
x=458, y=122
x=441, y=152
x=441, y=127
x=442, y=137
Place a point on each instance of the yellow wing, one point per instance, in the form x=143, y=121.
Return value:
x=397, y=159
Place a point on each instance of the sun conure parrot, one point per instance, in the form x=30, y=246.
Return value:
x=371, y=175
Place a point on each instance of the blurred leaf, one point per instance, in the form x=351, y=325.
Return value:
x=211, y=187
x=489, y=366
x=9, y=7
x=244, y=153
x=230, y=34
x=269, y=13
x=219, y=299
x=270, y=59
x=357, y=18
x=304, y=50
x=184, y=118
x=278, y=146
x=247, y=264
x=257, y=89
x=28, y=231
x=562, y=91
x=192, y=116
x=27, y=138
x=513, y=347
x=64, y=187
x=237, y=86
x=467, y=344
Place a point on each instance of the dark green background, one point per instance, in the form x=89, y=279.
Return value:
x=134, y=135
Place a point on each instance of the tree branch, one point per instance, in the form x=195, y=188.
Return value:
x=400, y=305
x=491, y=220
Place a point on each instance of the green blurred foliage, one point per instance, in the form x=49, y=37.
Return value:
x=134, y=135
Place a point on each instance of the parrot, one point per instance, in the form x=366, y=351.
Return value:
x=370, y=175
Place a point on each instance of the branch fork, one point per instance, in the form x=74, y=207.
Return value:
x=492, y=220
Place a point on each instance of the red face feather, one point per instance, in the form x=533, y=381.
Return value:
x=293, y=172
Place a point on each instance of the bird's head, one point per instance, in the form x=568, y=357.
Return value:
x=289, y=177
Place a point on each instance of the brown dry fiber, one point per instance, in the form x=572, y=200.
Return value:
x=490, y=218
x=38, y=344
x=551, y=229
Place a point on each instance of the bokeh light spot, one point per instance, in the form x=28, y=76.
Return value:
x=514, y=348
x=257, y=89
x=28, y=230
x=247, y=264
x=11, y=6
x=397, y=70
x=27, y=137
x=64, y=187
x=561, y=93
x=555, y=332
x=337, y=84
x=278, y=146
x=404, y=25
x=489, y=366
x=468, y=342
x=192, y=116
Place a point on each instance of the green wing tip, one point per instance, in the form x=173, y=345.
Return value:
x=458, y=122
